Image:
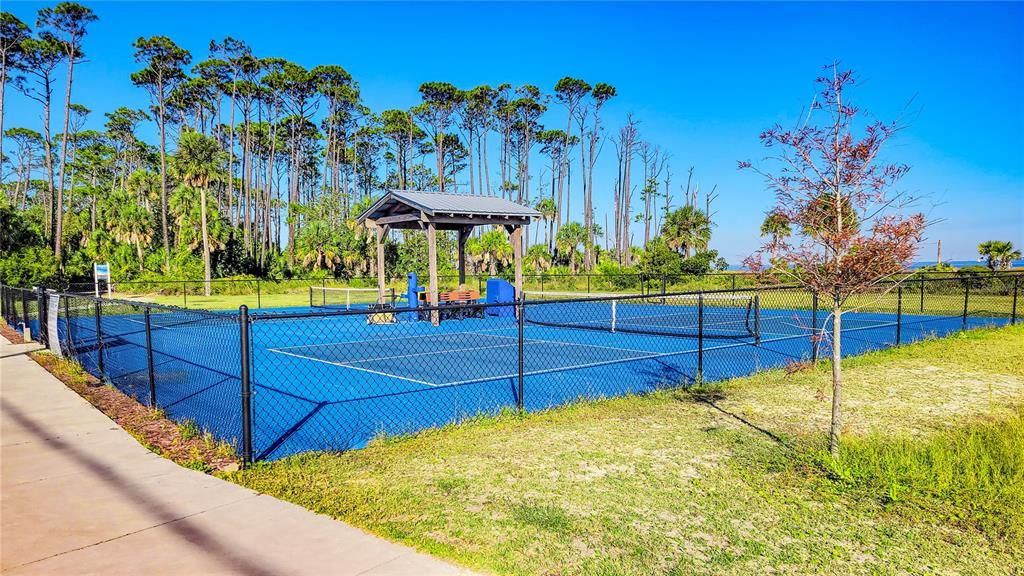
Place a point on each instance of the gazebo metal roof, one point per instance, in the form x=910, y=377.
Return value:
x=414, y=209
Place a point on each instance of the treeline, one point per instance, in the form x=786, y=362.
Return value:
x=260, y=166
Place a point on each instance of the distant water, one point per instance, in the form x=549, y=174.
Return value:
x=923, y=263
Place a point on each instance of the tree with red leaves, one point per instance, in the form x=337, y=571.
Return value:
x=850, y=230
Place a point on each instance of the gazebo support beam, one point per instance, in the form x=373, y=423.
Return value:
x=464, y=233
x=517, y=255
x=432, y=262
x=382, y=231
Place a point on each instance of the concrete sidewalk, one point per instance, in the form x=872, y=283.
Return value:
x=78, y=495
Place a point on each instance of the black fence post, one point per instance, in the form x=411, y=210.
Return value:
x=99, y=339
x=521, y=320
x=899, y=314
x=733, y=281
x=967, y=295
x=24, y=307
x=149, y=357
x=922, y=295
x=243, y=338
x=700, y=337
x=757, y=319
x=41, y=314
x=664, y=284
x=259, y=303
x=184, y=294
x=67, y=324
x=1013, y=313
x=588, y=283
x=814, y=327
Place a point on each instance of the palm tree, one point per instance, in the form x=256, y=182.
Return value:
x=130, y=222
x=145, y=185
x=998, y=254
x=538, y=258
x=318, y=246
x=569, y=239
x=685, y=229
x=495, y=248
x=197, y=164
x=548, y=213
x=777, y=226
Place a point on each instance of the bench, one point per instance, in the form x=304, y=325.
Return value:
x=464, y=303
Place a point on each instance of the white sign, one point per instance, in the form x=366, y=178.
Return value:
x=52, y=312
x=101, y=272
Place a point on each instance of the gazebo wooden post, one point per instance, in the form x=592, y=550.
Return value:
x=517, y=255
x=432, y=261
x=464, y=233
x=381, y=278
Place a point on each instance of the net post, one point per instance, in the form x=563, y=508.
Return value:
x=814, y=327
x=521, y=321
x=99, y=338
x=700, y=337
x=899, y=314
x=1013, y=312
x=149, y=357
x=967, y=296
x=243, y=339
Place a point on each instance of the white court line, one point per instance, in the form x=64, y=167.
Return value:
x=436, y=351
x=649, y=356
x=359, y=368
x=432, y=335
x=621, y=360
x=351, y=363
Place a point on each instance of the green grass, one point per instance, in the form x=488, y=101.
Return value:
x=729, y=480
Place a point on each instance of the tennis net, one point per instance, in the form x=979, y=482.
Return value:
x=348, y=298
x=720, y=316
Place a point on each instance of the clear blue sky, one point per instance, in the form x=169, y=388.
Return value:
x=703, y=79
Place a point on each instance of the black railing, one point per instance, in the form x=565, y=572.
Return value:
x=279, y=383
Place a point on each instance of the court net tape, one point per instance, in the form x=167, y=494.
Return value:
x=719, y=316
x=348, y=298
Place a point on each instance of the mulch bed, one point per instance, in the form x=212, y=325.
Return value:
x=150, y=427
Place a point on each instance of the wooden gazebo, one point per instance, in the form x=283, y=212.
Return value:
x=432, y=211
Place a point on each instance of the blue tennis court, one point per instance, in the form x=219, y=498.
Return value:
x=336, y=381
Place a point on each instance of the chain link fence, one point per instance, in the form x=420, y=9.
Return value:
x=276, y=383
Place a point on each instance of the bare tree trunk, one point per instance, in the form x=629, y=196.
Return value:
x=3, y=84
x=206, y=243
x=231, y=157
x=487, y=173
x=162, y=121
x=837, y=381
x=472, y=185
